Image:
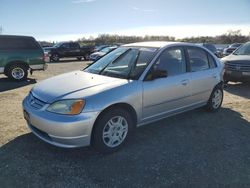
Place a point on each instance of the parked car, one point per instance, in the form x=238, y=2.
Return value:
x=231, y=48
x=100, y=47
x=97, y=55
x=237, y=64
x=135, y=84
x=19, y=54
x=68, y=49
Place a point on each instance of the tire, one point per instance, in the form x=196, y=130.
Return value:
x=215, y=100
x=109, y=135
x=86, y=57
x=55, y=57
x=17, y=72
x=79, y=58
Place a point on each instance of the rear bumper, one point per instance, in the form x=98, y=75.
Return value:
x=236, y=76
x=39, y=67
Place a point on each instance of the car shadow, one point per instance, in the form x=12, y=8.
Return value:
x=8, y=84
x=240, y=89
x=188, y=150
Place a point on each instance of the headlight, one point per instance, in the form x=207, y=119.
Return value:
x=67, y=107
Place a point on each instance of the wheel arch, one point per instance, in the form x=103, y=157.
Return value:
x=129, y=108
x=18, y=62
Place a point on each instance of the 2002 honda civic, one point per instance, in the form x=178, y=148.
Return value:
x=134, y=85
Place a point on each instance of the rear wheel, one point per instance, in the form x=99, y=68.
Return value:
x=79, y=58
x=112, y=130
x=215, y=99
x=17, y=72
x=55, y=57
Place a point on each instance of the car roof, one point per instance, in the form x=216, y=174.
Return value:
x=14, y=36
x=153, y=44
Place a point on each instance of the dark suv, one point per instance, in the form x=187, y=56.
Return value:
x=68, y=49
x=18, y=55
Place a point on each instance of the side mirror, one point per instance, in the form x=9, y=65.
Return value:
x=154, y=74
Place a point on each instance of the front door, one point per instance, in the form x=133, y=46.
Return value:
x=167, y=95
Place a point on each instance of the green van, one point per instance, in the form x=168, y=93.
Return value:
x=20, y=54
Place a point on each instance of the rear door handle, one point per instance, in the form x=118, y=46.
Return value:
x=184, y=82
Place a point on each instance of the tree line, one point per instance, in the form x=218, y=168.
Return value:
x=227, y=38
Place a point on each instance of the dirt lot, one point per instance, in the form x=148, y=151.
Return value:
x=194, y=149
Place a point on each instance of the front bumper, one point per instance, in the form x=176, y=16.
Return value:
x=236, y=76
x=60, y=130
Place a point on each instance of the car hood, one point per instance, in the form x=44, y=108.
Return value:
x=66, y=85
x=237, y=58
x=98, y=54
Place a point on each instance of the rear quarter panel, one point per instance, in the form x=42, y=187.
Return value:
x=31, y=57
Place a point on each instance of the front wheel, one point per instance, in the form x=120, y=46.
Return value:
x=215, y=99
x=112, y=130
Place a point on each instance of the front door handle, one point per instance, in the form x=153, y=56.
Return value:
x=184, y=82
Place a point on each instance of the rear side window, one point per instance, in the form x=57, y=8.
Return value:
x=18, y=43
x=198, y=59
x=212, y=62
x=74, y=45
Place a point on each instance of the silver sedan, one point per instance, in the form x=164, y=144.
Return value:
x=135, y=84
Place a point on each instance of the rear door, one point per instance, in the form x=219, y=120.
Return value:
x=74, y=49
x=64, y=50
x=167, y=95
x=204, y=76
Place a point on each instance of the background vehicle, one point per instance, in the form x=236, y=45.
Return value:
x=231, y=48
x=97, y=55
x=18, y=54
x=69, y=49
x=133, y=85
x=237, y=64
x=100, y=47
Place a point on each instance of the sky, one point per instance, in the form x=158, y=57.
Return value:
x=60, y=20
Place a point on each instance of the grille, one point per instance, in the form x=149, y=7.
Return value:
x=35, y=103
x=242, y=67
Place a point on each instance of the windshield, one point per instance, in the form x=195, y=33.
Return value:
x=106, y=50
x=124, y=62
x=235, y=45
x=243, y=50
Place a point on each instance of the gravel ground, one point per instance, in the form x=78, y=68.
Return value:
x=194, y=149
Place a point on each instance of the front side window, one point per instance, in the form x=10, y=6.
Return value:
x=198, y=59
x=65, y=45
x=172, y=61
